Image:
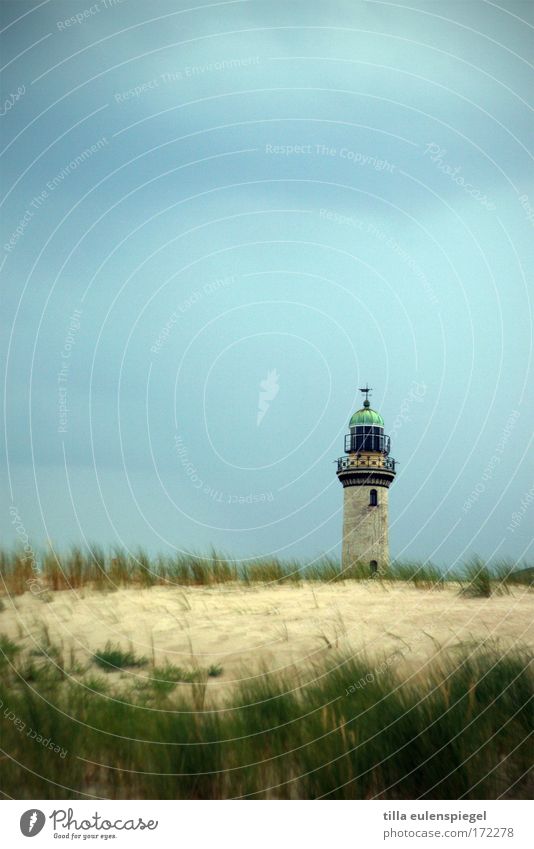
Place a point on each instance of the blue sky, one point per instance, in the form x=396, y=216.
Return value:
x=201, y=200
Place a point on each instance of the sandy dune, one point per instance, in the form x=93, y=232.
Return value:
x=243, y=628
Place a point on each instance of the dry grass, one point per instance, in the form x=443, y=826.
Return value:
x=96, y=569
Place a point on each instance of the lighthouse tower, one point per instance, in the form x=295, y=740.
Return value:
x=366, y=473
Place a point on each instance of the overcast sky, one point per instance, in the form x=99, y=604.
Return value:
x=218, y=223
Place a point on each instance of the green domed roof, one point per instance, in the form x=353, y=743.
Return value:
x=366, y=416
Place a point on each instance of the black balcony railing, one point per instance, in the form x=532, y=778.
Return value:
x=351, y=462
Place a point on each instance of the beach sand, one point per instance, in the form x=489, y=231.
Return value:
x=247, y=628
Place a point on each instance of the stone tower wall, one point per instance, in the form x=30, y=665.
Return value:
x=365, y=528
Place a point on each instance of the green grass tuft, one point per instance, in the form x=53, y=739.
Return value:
x=112, y=658
x=165, y=678
x=477, y=582
x=8, y=649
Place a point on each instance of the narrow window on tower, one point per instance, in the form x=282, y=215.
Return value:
x=373, y=498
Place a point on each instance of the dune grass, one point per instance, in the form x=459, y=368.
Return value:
x=116, y=569
x=344, y=728
x=164, y=679
x=459, y=728
x=112, y=658
x=478, y=583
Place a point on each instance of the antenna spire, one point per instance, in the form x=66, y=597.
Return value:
x=366, y=389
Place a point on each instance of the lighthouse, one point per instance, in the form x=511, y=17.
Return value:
x=366, y=472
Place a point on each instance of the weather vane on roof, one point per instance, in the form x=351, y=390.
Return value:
x=366, y=389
